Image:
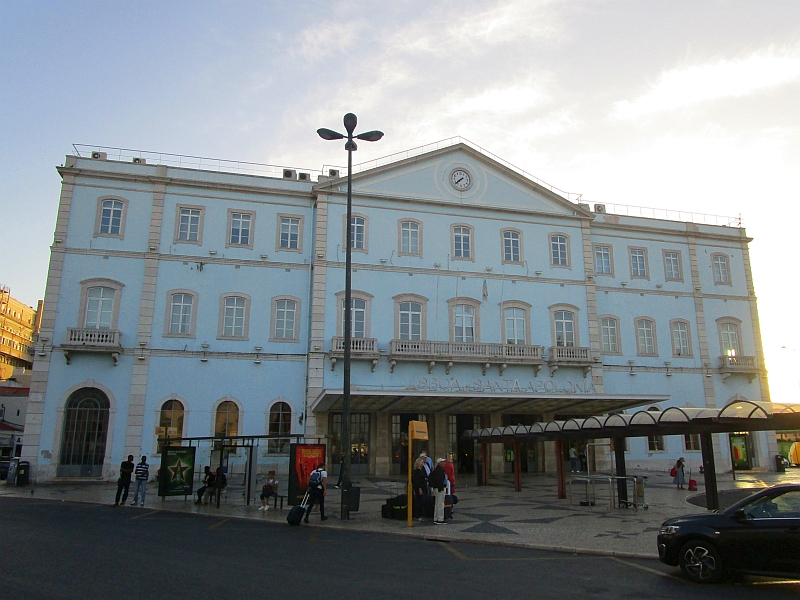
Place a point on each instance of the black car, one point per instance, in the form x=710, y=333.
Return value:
x=758, y=535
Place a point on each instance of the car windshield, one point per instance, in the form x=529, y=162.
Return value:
x=783, y=506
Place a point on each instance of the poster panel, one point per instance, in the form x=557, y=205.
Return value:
x=176, y=476
x=303, y=458
x=741, y=459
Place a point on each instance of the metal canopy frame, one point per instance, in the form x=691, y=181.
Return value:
x=739, y=415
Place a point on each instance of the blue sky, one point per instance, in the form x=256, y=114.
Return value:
x=685, y=105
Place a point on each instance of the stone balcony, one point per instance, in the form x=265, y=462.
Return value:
x=570, y=356
x=360, y=349
x=461, y=352
x=92, y=340
x=739, y=365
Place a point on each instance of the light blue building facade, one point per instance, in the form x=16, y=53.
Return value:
x=211, y=303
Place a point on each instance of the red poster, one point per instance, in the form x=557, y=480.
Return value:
x=304, y=459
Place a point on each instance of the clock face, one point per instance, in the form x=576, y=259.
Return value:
x=460, y=179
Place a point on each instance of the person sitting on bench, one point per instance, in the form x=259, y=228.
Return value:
x=208, y=482
x=220, y=484
x=270, y=489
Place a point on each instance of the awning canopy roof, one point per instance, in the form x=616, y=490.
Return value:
x=738, y=415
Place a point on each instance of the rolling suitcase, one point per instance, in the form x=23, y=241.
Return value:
x=296, y=513
x=692, y=482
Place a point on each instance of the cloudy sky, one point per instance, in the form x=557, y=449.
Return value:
x=682, y=105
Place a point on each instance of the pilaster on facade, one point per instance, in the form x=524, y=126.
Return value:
x=700, y=318
x=751, y=295
x=591, y=305
x=316, y=355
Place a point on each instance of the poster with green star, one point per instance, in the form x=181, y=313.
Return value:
x=176, y=476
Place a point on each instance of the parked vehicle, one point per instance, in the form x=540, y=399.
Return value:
x=758, y=535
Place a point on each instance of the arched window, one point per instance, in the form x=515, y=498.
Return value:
x=227, y=421
x=171, y=416
x=280, y=423
x=83, y=444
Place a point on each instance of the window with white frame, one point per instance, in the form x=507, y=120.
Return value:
x=290, y=233
x=99, y=307
x=280, y=424
x=358, y=233
x=511, y=246
x=240, y=227
x=515, y=319
x=721, y=271
x=462, y=242
x=226, y=421
x=691, y=442
x=672, y=266
x=609, y=332
x=638, y=262
x=358, y=317
x=111, y=218
x=234, y=317
x=559, y=255
x=464, y=323
x=189, y=224
x=410, y=238
x=602, y=260
x=564, y=326
x=410, y=320
x=645, y=337
x=655, y=443
x=181, y=307
x=680, y=338
x=729, y=336
x=285, y=319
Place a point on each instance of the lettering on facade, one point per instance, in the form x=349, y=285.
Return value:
x=501, y=386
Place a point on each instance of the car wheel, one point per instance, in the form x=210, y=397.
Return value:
x=700, y=562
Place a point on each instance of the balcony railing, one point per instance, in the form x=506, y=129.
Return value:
x=358, y=346
x=745, y=365
x=432, y=351
x=92, y=340
x=570, y=356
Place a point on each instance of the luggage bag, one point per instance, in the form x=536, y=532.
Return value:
x=296, y=513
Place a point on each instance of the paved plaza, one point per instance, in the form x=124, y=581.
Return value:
x=496, y=514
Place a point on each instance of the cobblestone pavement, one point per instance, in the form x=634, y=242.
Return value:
x=533, y=518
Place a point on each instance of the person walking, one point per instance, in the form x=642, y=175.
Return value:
x=680, y=477
x=317, y=489
x=208, y=481
x=574, y=465
x=437, y=482
x=142, y=474
x=124, y=481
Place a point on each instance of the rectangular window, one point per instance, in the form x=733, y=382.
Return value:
x=233, y=325
x=655, y=443
x=358, y=318
x=462, y=247
x=285, y=312
x=730, y=339
x=564, y=322
x=240, y=229
x=290, y=233
x=464, y=324
x=181, y=314
x=410, y=321
x=602, y=260
x=358, y=230
x=558, y=250
x=409, y=237
x=672, y=266
x=511, y=246
x=680, y=339
x=721, y=269
x=111, y=217
x=189, y=225
x=515, y=326
x=638, y=262
x=99, y=308
x=645, y=336
x=608, y=329
x=691, y=442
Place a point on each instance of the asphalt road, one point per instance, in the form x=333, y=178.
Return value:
x=55, y=549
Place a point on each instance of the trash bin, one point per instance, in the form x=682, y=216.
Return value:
x=13, y=465
x=354, y=499
x=22, y=472
x=479, y=471
x=780, y=465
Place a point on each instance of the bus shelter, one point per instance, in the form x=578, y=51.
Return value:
x=738, y=415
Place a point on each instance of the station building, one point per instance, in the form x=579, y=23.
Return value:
x=181, y=295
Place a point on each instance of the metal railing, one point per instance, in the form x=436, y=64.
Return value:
x=570, y=354
x=462, y=350
x=665, y=214
x=357, y=345
x=99, y=338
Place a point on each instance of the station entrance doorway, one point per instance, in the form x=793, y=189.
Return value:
x=464, y=453
x=528, y=451
x=400, y=441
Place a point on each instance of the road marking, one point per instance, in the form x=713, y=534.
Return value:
x=463, y=556
x=147, y=514
x=643, y=568
x=314, y=536
x=218, y=524
x=449, y=548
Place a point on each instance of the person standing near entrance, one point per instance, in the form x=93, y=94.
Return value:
x=679, y=478
x=437, y=483
x=124, y=481
x=142, y=474
x=450, y=471
x=419, y=483
x=317, y=489
x=574, y=466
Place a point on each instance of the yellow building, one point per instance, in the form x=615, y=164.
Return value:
x=18, y=323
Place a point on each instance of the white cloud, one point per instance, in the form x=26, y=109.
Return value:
x=690, y=85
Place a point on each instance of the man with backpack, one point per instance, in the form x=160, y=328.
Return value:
x=317, y=489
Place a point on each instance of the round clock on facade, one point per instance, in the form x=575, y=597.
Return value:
x=460, y=179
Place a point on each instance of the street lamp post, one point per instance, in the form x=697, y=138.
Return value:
x=350, y=122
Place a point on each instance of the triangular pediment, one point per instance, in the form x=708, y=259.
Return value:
x=440, y=176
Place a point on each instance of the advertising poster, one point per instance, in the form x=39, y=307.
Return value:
x=176, y=476
x=741, y=460
x=303, y=458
